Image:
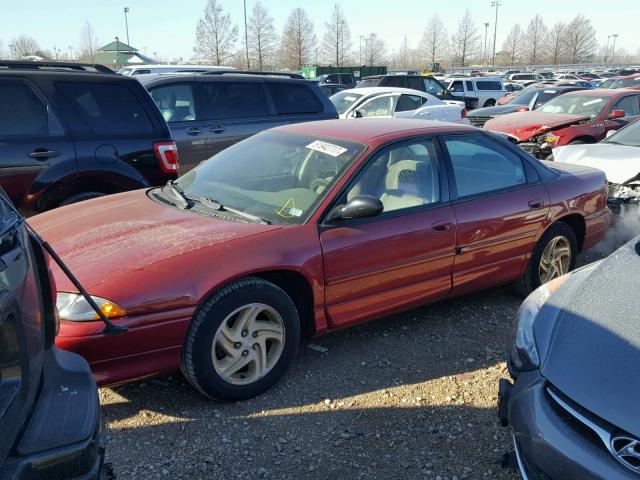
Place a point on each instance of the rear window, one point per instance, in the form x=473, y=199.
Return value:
x=294, y=98
x=488, y=85
x=372, y=82
x=108, y=108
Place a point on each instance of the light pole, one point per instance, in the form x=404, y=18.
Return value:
x=605, y=56
x=360, y=56
x=12, y=49
x=117, y=51
x=497, y=4
x=126, y=23
x=246, y=36
x=484, y=52
x=613, y=48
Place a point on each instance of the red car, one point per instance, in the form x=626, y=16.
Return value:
x=304, y=229
x=576, y=117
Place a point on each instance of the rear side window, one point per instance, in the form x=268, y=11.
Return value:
x=294, y=98
x=395, y=82
x=488, y=85
x=407, y=103
x=234, y=100
x=23, y=114
x=108, y=108
x=414, y=82
x=175, y=102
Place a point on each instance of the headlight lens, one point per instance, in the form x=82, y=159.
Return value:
x=73, y=307
x=524, y=352
x=549, y=140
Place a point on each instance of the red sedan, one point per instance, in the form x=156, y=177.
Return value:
x=305, y=229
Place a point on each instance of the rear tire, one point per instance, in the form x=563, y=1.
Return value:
x=79, y=197
x=564, y=236
x=241, y=340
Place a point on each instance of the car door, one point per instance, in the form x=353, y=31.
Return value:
x=499, y=205
x=32, y=139
x=380, y=106
x=630, y=105
x=402, y=257
x=184, y=115
x=234, y=110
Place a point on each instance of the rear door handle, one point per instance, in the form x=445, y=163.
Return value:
x=216, y=129
x=441, y=226
x=193, y=131
x=536, y=203
x=43, y=154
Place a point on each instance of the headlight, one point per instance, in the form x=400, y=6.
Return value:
x=524, y=352
x=73, y=307
x=548, y=140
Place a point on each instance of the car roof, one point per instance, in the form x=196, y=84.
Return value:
x=603, y=92
x=152, y=79
x=66, y=74
x=369, y=130
x=380, y=90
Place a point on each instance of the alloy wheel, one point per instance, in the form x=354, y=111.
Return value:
x=556, y=259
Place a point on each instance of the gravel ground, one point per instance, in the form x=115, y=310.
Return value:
x=411, y=396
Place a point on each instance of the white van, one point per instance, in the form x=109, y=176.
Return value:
x=488, y=90
x=131, y=70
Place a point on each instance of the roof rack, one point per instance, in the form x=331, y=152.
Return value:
x=242, y=72
x=68, y=66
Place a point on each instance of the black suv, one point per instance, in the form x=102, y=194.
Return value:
x=49, y=409
x=211, y=111
x=426, y=84
x=69, y=132
x=347, y=79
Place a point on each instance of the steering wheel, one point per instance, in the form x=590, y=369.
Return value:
x=317, y=183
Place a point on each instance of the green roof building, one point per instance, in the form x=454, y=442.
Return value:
x=117, y=54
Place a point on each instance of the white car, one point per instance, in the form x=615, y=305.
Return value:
x=393, y=102
x=488, y=90
x=618, y=156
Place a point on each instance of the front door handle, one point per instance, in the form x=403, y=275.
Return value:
x=216, y=129
x=43, y=154
x=193, y=131
x=536, y=203
x=441, y=226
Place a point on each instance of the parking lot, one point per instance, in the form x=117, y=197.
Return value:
x=409, y=396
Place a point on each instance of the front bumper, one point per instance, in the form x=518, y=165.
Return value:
x=550, y=442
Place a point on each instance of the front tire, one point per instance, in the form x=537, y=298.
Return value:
x=554, y=255
x=241, y=340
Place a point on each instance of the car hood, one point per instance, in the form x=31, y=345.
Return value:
x=621, y=163
x=494, y=111
x=526, y=125
x=593, y=356
x=103, y=239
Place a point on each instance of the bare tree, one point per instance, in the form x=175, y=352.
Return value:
x=25, y=45
x=298, y=40
x=465, y=42
x=580, y=40
x=2, y=54
x=337, y=38
x=88, y=42
x=374, y=50
x=512, y=44
x=216, y=35
x=534, y=40
x=555, y=43
x=262, y=37
x=434, y=40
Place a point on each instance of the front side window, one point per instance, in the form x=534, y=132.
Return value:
x=234, y=100
x=381, y=106
x=402, y=177
x=23, y=114
x=457, y=86
x=275, y=175
x=344, y=100
x=432, y=86
x=175, y=102
x=629, y=105
x=481, y=165
x=583, y=105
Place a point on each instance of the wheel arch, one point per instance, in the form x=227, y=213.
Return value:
x=577, y=224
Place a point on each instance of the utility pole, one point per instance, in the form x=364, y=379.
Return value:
x=605, y=57
x=360, y=56
x=613, y=48
x=12, y=49
x=246, y=36
x=117, y=51
x=126, y=23
x=497, y=4
x=484, y=52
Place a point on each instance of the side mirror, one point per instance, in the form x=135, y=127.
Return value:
x=616, y=114
x=356, y=114
x=609, y=133
x=360, y=206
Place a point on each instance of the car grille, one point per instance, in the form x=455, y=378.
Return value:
x=478, y=121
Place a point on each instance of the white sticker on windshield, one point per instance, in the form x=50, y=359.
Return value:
x=591, y=102
x=326, y=147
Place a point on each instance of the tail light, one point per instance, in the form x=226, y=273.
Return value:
x=167, y=155
x=463, y=113
x=523, y=109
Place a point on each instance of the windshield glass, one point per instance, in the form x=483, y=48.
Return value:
x=343, y=100
x=583, y=105
x=629, y=136
x=278, y=176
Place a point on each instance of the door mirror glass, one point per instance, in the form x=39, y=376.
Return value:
x=360, y=206
x=616, y=114
x=356, y=114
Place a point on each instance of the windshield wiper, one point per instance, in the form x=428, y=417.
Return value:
x=215, y=205
x=179, y=195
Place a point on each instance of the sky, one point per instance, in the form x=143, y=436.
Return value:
x=168, y=26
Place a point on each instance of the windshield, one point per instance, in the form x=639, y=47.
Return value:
x=344, y=100
x=621, y=83
x=630, y=136
x=583, y=105
x=523, y=99
x=278, y=176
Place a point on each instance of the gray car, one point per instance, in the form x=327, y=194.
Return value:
x=575, y=358
x=209, y=112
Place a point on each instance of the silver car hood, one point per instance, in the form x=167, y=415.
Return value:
x=619, y=162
